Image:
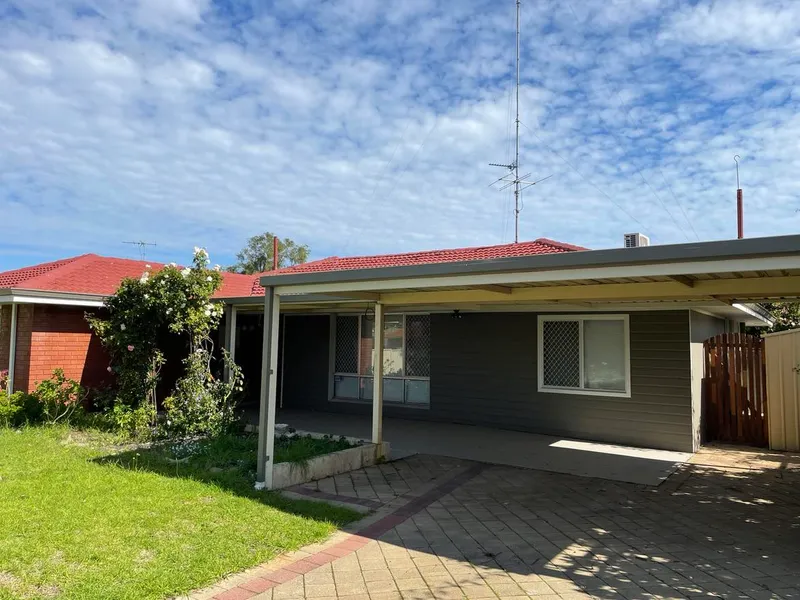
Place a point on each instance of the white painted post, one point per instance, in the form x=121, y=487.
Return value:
x=230, y=336
x=232, y=341
x=12, y=349
x=269, y=388
x=377, y=382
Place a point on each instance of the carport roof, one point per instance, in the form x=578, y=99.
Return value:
x=720, y=276
x=744, y=249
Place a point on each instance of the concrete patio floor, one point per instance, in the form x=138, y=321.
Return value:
x=502, y=447
x=453, y=529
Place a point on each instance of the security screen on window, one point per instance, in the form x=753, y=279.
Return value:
x=584, y=354
x=406, y=358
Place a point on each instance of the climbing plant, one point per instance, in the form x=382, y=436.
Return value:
x=177, y=300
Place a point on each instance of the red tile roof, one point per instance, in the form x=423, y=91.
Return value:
x=101, y=275
x=335, y=263
x=13, y=278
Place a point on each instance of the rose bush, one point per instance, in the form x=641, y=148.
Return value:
x=178, y=301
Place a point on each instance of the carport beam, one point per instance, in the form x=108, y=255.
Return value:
x=269, y=387
x=377, y=379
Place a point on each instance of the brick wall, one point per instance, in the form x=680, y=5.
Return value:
x=51, y=337
x=22, y=362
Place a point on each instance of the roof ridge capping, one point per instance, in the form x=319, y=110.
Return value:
x=562, y=245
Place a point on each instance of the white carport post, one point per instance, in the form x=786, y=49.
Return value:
x=269, y=387
x=12, y=348
x=377, y=381
x=230, y=335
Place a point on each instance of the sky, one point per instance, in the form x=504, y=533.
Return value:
x=366, y=126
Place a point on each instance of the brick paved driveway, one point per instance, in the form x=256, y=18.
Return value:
x=451, y=529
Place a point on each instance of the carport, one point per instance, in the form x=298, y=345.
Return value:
x=714, y=279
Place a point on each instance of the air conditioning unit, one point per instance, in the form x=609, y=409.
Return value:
x=636, y=240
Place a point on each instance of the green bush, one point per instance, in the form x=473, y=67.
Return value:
x=203, y=404
x=10, y=409
x=138, y=423
x=60, y=398
x=19, y=409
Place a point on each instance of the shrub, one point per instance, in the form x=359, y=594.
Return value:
x=203, y=404
x=59, y=397
x=19, y=409
x=10, y=409
x=138, y=423
x=177, y=301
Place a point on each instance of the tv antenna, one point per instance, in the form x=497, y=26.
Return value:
x=142, y=247
x=512, y=178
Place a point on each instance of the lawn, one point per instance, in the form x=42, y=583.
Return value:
x=79, y=519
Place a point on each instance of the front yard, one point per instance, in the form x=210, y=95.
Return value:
x=80, y=519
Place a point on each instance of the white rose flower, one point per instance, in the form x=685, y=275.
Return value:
x=186, y=272
x=122, y=327
x=209, y=278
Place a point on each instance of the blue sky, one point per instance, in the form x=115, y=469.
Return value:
x=363, y=126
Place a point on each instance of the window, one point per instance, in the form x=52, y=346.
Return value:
x=406, y=358
x=585, y=354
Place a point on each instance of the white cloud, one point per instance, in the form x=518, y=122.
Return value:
x=163, y=13
x=365, y=126
x=759, y=24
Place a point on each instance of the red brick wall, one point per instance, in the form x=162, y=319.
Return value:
x=51, y=337
x=22, y=362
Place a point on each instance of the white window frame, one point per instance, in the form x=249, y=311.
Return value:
x=581, y=318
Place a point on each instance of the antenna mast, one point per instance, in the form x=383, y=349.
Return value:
x=142, y=247
x=516, y=150
x=513, y=178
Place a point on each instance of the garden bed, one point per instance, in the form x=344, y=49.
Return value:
x=347, y=454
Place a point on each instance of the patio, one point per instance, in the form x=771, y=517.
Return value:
x=502, y=447
x=450, y=528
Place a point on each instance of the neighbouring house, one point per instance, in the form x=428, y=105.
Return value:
x=538, y=336
x=45, y=305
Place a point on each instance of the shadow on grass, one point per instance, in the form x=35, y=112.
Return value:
x=228, y=462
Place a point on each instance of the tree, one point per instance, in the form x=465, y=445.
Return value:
x=786, y=315
x=256, y=257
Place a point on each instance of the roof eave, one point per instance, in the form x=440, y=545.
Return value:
x=27, y=296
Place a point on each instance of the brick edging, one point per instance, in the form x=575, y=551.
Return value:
x=320, y=495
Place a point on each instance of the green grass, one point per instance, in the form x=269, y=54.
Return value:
x=82, y=520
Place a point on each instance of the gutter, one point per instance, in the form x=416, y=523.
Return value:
x=23, y=296
x=756, y=311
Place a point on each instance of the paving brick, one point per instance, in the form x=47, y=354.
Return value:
x=545, y=535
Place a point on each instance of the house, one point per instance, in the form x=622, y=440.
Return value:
x=602, y=345
x=538, y=336
x=45, y=305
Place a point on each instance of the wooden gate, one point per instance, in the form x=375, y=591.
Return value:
x=735, y=390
